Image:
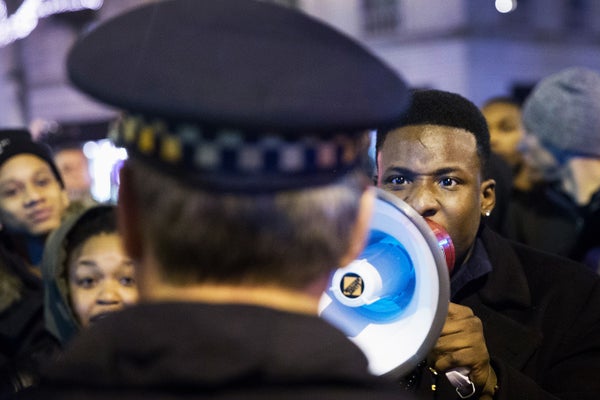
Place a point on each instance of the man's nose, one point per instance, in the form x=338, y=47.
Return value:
x=422, y=198
x=493, y=140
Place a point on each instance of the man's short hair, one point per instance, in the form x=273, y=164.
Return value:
x=244, y=152
x=436, y=107
x=288, y=238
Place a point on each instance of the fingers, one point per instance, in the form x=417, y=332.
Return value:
x=462, y=344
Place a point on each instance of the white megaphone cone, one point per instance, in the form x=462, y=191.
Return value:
x=393, y=299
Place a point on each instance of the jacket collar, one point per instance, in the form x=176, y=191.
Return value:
x=503, y=300
x=506, y=273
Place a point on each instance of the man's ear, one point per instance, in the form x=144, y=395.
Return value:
x=128, y=215
x=360, y=231
x=488, y=196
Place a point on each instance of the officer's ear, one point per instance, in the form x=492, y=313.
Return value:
x=128, y=215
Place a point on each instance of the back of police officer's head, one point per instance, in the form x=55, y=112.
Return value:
x=244, y=152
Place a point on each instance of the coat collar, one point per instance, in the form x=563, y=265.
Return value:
x=503, y=303
x=507, y=273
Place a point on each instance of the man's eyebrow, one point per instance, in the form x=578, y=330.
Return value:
x=408, y=171
x=399, y=170
x=446, y=171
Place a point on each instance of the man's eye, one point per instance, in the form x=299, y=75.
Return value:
x=448, y=182
x=506, y=126
x=397, y=180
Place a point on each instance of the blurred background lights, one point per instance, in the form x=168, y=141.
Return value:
x=24, y=20
x=506, y=6
x=105, y=161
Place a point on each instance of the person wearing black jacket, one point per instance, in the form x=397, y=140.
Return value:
x=245, y=124
x=33, y=202
x=562, y=215
x=523, y=323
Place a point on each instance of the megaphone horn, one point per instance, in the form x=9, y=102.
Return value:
x=392, y=300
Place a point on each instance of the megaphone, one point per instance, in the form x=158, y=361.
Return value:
x=393, y=299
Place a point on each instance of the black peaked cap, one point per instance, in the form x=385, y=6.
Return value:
x=243, y=65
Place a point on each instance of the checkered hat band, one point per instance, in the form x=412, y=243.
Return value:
x=193, y=148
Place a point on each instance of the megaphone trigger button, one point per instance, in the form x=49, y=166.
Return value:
x=459, y=378
x=352, y=285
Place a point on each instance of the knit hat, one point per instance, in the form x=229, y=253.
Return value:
x=18, y=141
x=563, y=111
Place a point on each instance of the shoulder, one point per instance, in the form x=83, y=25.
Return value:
x=540, y=263
x=544, y=272
x=549, y=277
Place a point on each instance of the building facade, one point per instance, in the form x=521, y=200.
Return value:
x=464, y=46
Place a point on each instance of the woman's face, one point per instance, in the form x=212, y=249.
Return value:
x=31, y=198
x=101, y=278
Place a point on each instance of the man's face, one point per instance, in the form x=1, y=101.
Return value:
x=506, y=130
x=437, y=171
x=31, y=198
x=74, y=169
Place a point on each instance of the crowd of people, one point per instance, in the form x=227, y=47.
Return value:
x=245, y=188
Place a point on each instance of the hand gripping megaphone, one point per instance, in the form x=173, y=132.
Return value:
x=393, y=299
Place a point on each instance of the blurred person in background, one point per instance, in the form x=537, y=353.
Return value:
x=244, y=189
x=33, y=202
x=74, y=167
x=70, y=159
x=86, y=273
x=562, y=216
x=530, y=163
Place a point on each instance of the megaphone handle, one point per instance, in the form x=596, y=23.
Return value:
x=459, y=378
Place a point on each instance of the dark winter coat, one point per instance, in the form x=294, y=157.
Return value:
x=541, y=321
x=549, y=220
x=198, y=351
x=24, y=342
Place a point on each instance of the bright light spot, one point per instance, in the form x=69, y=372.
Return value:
x=25, y=18
x=506, y=6
x=105, y=159
x=90, y=149
x=92, y=4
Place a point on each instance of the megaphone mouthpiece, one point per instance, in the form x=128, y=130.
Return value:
x=444, y=243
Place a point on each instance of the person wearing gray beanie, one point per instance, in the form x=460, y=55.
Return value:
x=563, y=216
x=563, y=111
